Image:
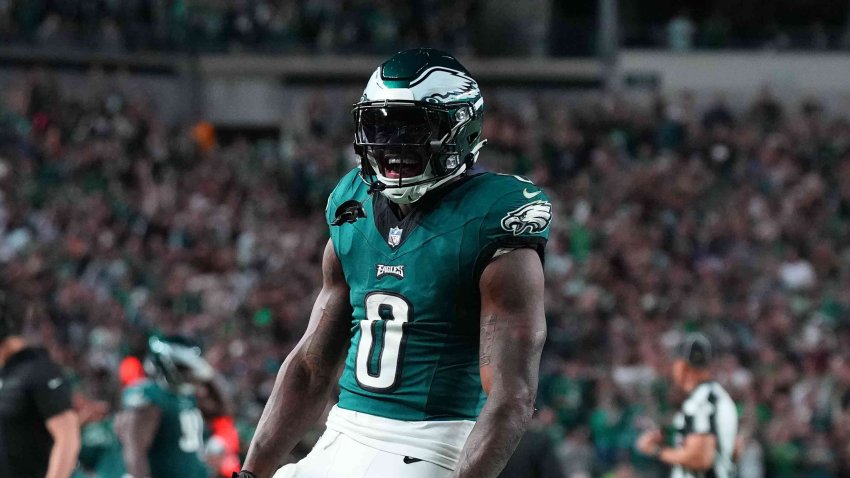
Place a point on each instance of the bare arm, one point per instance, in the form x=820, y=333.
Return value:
x=513, y=329
x=305, y=379
x=136, y=431
x=65, y=430
x=696, y=453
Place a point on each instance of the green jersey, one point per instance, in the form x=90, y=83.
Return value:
x=101, y=451
x=178, y=444
x=414, y=291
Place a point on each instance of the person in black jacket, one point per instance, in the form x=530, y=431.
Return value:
x=39, y=429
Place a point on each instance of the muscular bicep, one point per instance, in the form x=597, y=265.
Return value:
x=513, y=324
x=325, y=340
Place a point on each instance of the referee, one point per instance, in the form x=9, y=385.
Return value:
x=39, y=431
x=706, y=424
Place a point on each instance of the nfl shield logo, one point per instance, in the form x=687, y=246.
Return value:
x=394, y=238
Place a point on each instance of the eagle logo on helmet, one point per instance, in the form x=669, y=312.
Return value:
x=466, y=88
x=533, y=218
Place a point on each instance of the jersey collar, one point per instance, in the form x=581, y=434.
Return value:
x=386, y=215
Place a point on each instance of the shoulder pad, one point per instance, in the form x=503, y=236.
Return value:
x=517, y=214
x=517, y=209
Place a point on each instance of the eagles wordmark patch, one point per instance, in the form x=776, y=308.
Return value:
x=533, y=218
x=395, y=271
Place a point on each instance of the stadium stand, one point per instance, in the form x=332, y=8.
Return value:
x=119, y=219
x=672, y=218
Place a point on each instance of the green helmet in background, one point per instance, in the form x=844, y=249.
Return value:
x=418, y=124
x=176, y=363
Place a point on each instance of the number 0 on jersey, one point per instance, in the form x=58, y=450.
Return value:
x=380, y=350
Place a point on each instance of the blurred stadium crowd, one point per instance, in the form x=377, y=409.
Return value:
x=365, y=26
x=307, y=26
x=671, y=218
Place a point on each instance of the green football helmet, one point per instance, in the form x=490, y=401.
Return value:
x=418, y=124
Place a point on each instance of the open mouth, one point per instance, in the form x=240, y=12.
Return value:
x=406, y=166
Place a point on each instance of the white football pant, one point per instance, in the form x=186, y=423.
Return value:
x=338, y=456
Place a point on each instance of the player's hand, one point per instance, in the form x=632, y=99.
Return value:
x=649, y=441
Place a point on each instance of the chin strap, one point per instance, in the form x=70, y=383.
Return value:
x=375, y=187
x=447, y=179
x=469, y=161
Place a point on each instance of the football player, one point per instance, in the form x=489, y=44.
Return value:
x=160, y=427
x=432, y=297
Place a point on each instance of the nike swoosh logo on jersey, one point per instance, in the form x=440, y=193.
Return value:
x=529, y=195
x=409, y=459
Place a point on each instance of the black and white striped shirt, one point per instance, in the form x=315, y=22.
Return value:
x=709, y=409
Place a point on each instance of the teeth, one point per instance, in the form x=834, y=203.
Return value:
x=404, y=161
